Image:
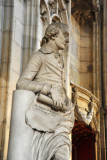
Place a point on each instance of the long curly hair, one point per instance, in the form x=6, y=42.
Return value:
x=52, y=31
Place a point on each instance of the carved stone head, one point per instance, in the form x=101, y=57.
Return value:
x=57, y=32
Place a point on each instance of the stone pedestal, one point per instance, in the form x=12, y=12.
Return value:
x=20, y=133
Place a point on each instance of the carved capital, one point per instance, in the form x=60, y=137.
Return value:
x=84, y=11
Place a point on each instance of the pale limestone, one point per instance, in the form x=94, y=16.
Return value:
x=21, y=134
x=15, y=68
x=86, y=80
x=74, y=49
x=86, y=42
x=19, y=11
x=74, y=75
x=18, y=37
x=74, y=62
x=49, y=61
x=85, y=54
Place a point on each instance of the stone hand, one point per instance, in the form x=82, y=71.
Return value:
x=58, y=98
x=46, y=89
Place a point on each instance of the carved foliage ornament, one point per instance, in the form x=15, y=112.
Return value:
x=53, y=6
x=83, y=11
x=44, y=12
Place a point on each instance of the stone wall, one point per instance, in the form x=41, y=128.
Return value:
x=75, y=51
x=14, y=68
x=86, y=57
x=33, y=27
x=81, y=63
x=104, y=71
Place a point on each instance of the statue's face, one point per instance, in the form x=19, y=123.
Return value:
x=62, y=39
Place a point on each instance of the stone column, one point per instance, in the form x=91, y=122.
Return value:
x=32, y=29
x=21, y=134
x=6, y=18
x=104, y=69
x=14, y=61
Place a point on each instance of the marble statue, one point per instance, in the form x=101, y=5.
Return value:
x=51, y=113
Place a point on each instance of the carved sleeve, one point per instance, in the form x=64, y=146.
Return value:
x=26, y=80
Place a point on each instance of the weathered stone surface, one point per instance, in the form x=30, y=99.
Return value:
x=86, y=80
x=86, y=67
x=20, y=134
x=85, y=42
x=18, y=36
x=85, y=55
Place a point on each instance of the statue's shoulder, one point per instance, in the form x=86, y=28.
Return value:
x=46, y=49
x=37, y=54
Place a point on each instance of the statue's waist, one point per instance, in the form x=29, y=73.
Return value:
x=49, y=80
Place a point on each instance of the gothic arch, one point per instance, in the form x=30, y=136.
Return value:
x=62, y=12
x=44, y=12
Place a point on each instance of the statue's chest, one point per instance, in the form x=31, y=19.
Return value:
x=54, y=61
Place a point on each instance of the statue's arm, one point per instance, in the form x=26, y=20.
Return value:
x=26, y=82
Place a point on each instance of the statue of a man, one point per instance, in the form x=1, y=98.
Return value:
x=44, y=74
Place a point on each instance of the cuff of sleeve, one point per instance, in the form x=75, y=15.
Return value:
x=46, y=89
